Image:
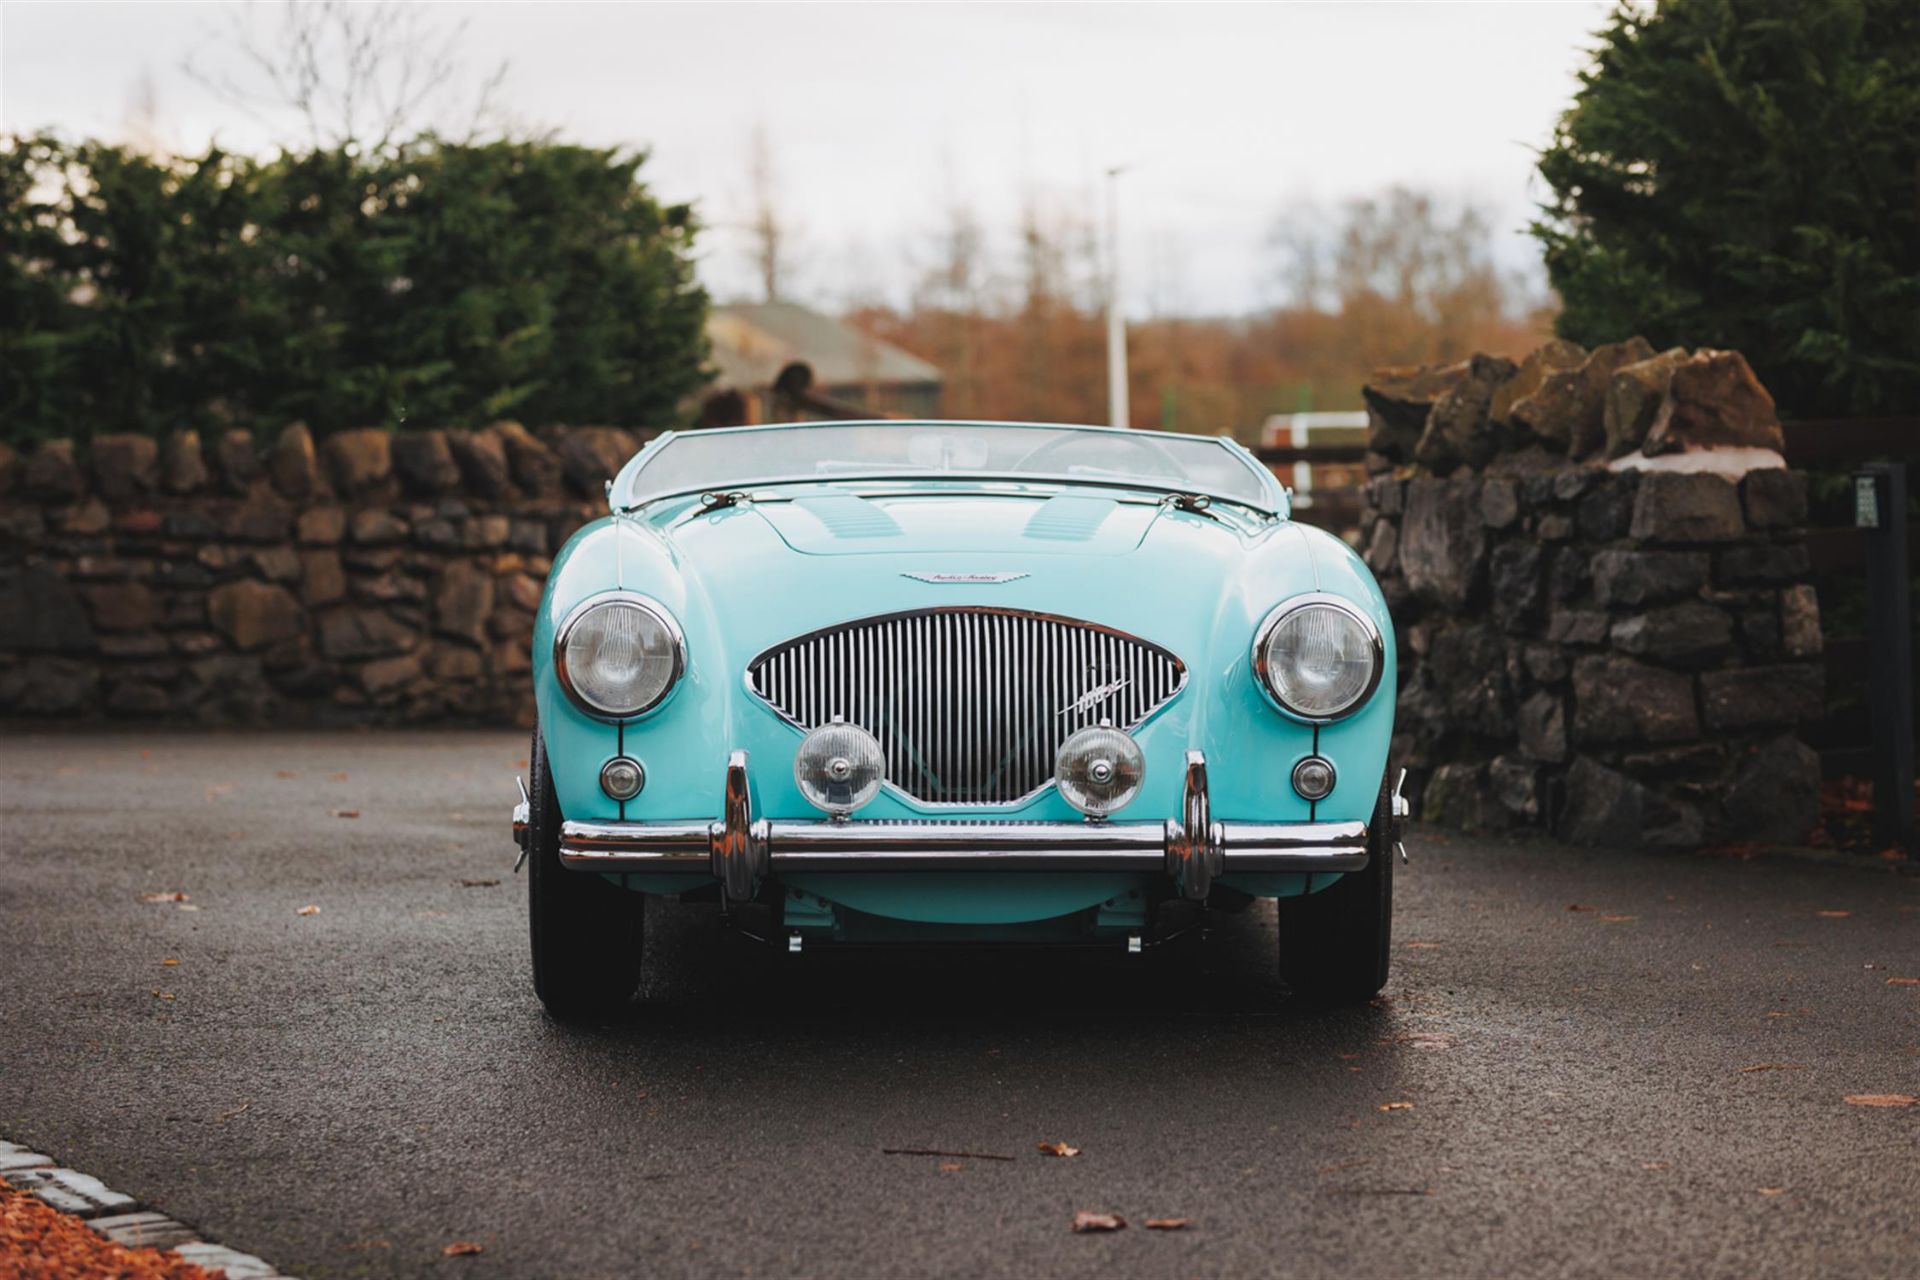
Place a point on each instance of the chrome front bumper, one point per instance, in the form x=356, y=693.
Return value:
x=742, y=851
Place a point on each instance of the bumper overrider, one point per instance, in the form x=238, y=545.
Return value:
x=741, y=851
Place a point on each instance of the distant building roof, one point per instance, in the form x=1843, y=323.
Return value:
x=752, y=342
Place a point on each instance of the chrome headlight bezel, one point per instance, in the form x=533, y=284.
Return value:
x=647, y=604
x=1292, y=604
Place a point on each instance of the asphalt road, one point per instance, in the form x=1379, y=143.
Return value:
x=346, y=1092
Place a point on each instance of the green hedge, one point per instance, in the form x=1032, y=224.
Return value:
x=437, y=285
x=1746, y=174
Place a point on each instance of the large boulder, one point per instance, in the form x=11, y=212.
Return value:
x=1620, y=699
x=1443, y=539
x=1634, y=394
x=1714, y=400
x=1399, y=400
x=1456, y=427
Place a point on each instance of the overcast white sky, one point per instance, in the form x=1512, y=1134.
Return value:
x=879, y=113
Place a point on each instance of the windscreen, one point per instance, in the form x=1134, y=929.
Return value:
x=706, y=460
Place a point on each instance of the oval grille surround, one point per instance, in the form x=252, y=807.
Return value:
x=970, y=704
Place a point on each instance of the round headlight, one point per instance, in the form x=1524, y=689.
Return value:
x=839, y=767
x=1099, y=770
x=1320, y=657
x=618, y=655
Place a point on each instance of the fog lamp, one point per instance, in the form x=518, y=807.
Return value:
x=839, y=768
x=1099, y=770
x=1313, y=778
x=622, y=778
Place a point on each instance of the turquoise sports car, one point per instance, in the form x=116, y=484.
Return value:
x=897, y=682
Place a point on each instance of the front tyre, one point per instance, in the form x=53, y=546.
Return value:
x=1335, y=944
x=586, y=931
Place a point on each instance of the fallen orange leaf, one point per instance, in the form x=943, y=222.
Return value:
x=285, y=773
x=175, y=896
x=1060, y=1149
x=346, y=813
x=460, y=1249
x=336, y=777
x=1774, y=1066
x=1086, y=1220
x=1773, y=1191
x=308, y=910
x=169, y=963
x=1833, y=915
x=950, y=1167
x=1167, y=1224
x=1882, y=1099
x=1903, y=982
x=1396, y=1106
x=1616, y=919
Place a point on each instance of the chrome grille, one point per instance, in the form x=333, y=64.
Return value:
x=969, y=704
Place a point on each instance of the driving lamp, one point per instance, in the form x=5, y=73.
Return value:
x=622, y=778
x=1099, y=770
x=618, y=655
x=1318, y=656
x=839, y=767
x=1313, y=778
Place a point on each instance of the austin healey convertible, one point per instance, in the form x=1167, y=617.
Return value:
x=939, y=682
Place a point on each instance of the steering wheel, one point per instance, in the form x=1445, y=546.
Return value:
x=1166, y=466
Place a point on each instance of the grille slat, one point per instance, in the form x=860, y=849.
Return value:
x=970, y=705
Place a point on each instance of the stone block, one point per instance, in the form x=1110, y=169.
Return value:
x=1763, y=697
x=1603, y=807
x=1499, y=502
x=138, y=698
x=374, y=527
x=352, y=634
x=183, y=465
x=254, y=614
x=462, y=599
x=69, y=1191
x=46, y=686
x=1633, y=578
x=1714, y=400
x=1605, y=512
x=1800, y=633
x=1577, y=626
x=1383, y=548
x=1515, y=783
x=1516, y=579
x=237, y=461
x=294, y=466
x=591, y=456
x=1550, y=358
x=1634, y=394
x=14, y=1156
x=1689, y=634
x=125, y=466
x=122, y=606
x=53, y=472
x=1762, y=563
x=12, y=469
x=482, y=459
x=1680, y=506
x=218, y=1258
x=1620, y=699
x=1443, y=539
x=1456, y=796
x=1775, y=796
x=359, y=461
x=1775, y=498
x=1455, y=430
x=424, y=462
x=40, y=612
x=1386, y=495
x=533, y=464
x=260, y=517
x=1542, y=726
x=322, y=579
x=144, y=1230
x=321, y=526
x=384, y=675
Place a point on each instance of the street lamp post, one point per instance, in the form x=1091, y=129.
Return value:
x=1117, y=408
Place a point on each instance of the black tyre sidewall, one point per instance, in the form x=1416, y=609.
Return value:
x=1336, y=946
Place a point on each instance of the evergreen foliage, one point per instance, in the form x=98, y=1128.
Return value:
x=1746, y=174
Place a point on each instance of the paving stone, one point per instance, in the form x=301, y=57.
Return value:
x=80, y=1194
x=144, y=1230
x=237, y=1265
x=14, y=1156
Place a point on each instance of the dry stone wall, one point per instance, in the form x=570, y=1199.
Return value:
x=363, y=578
x=1598, y=566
